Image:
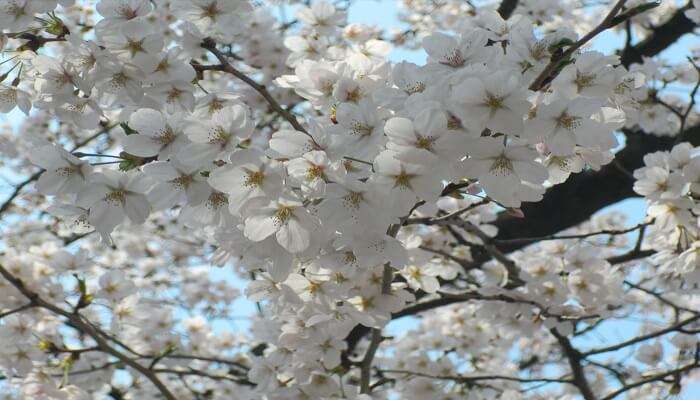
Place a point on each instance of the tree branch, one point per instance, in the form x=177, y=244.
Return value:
x=553, y=65
x=77, y=321
x=574, y=357
x=262, y=90
x=643, y=338
x=660, y=38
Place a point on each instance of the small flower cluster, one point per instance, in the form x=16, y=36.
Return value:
x=670, y=181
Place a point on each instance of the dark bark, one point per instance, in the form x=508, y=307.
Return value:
x=584, y=194
x=507, y=7
x=574, y=357
x=662, y=37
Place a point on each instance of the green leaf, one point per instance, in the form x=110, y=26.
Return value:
x=127, y=165
x=82, y=287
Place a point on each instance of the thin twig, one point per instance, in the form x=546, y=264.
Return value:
x=77, y=321
x=553, y=65
x=262, y=90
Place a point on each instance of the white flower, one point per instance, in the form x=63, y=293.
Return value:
x=65, y=173
x=658, y=183
x=404, y=182
x=291, y=144
x=284, y=217
x=177, y=183
x=17, y=15
x=322, y=17
x=563, y=124
x=314, y=81
x=421, y=277
x=360, y=129
x=497, y=102
x=134, y=42
x=219, y=17
x=121, y=80
x=249, y=174
x=425, y=140
x=111, y=196
x=57, y=77
x=11, y=97
x=115, y=286
x=158, y=134
x=82, y=111
x=214, y=211
x=590, y=76
x=218, y=137
x=500, y=169
x=117, y=12
x=451, y=52
x=170, y=66
x=312, y=171
x=176, y=96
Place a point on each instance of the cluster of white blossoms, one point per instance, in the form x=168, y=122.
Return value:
x=173, y=131
x=670, y=181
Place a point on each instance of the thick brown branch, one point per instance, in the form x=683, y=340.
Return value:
x=583, y=194
x=660, y=38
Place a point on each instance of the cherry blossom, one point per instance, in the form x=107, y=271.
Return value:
x=218, y=199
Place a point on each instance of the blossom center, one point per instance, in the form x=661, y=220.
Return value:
x=165, y=136
x=425, y=142
x=361, y=129
x=453, y=59
x=502, y=166
x=218, y=135
x=283, y=214
x=353, y=200
x=568, y=122
x=211, y=11
x=216, y=200
x=254, y=179
x=493, y=102
x=182, y=181
x=127, y=12
x=116, y=197
x=584, y=80
x=315, y=172
x=403, y=180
